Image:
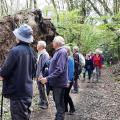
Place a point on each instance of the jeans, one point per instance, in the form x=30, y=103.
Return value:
x=58, y=96
x=68, y=99
x=42, y=94
x=97, y=73
x=75, y=85
x=89, y=74
x=20, y=109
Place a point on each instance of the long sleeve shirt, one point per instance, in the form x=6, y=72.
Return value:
x=58, y=70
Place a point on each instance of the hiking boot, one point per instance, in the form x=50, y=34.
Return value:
x=71, y=112
x=74, y=91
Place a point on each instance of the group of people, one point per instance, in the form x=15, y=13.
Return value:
x=93, y=65
x=57, y=73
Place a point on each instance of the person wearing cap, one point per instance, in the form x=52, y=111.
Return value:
x=58, y=76
x=17, y=74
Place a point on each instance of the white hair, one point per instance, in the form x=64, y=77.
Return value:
x=75, y=48
x=98, y=51
x=59, y=40
x=42, y=44
x=68, y=49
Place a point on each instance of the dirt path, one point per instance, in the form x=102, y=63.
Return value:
x=95, y=101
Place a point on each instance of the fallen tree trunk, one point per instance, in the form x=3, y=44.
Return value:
x=43, y=29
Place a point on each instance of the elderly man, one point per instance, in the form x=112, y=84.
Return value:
x=79, y=63
x=17, y=73
x=43, y=58
x=58, y=76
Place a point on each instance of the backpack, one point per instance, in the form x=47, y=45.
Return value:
x=81, y=60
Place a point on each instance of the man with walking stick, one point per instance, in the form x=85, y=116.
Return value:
x=58, y=76
x=43, y=58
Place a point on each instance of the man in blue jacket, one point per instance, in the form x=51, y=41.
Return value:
x=43, y=59
x=17, y=73
x=58, y=76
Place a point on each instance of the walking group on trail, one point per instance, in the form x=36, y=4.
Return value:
x=57, y=73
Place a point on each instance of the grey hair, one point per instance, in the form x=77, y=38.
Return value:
x=75, y=48
x=59, y=40
x=68, y=49
x=42, y=43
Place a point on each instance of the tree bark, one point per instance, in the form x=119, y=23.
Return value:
x=106, y=8
x=71, y=4
x=4, y=8
x=55, y=7
x=97, y=11
x=116, y=6
x=94, y=7
x=35, y=4
x=68, y=4
x=83, y=11
x=27, y=4
x=31, y=2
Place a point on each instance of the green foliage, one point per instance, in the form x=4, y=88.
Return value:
x=68, y=26
x=92, y=34
x=86, y=36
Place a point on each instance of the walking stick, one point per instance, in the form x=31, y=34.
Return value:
x=1, y=114
x=1, y=110
x=49, y=108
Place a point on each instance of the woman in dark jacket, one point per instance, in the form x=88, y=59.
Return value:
x=68, y=99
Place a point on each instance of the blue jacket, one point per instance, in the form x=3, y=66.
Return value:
x=70, y=68
x=58, y=70
x=18, y=71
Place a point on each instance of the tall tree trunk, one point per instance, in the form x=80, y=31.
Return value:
x=17, y=8
x=31, y=3
x=68, y=4
x=47, y=2
x=105, y=6
x=71, y=4
x=35, y=4
x=27, y=4
x=1, y=7
x=96, y=10
x=55, y=7
x=11, y=5
x=76, y=3
x=83, y=11
x=4, y=8
x=116, y=6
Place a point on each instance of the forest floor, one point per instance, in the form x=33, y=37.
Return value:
x=95, y=101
